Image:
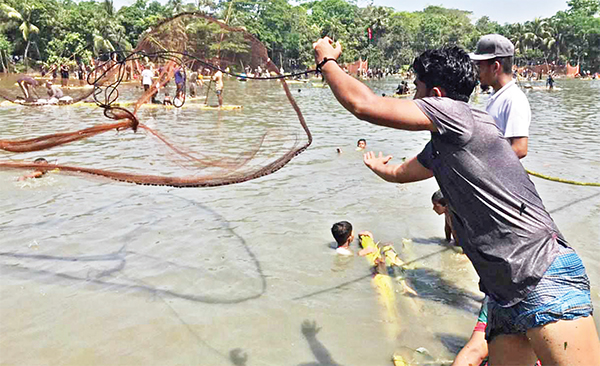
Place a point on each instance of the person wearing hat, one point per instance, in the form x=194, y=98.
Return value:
x=507, y=104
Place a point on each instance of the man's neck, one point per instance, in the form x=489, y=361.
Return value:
x=503, y=79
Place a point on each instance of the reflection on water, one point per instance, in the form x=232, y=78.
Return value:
x=98, y=272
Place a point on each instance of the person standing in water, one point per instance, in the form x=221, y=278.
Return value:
x=550, y=81
x=507, y=104
x=218, y=79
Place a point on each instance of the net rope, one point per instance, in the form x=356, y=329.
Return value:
x=191, y=38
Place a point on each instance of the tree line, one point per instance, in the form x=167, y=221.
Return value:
x=45, y=32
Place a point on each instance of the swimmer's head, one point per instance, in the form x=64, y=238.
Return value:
x=48, y=83
x=343, y=233
x=440, y=203
x=40, y=161
x=361, y=144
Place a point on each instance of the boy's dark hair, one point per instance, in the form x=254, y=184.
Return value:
x=358, y=142
x=341, y=232
x=438, y=197
x=40, y=161
x=449, y=68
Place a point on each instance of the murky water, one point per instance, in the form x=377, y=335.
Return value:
x=96, y=272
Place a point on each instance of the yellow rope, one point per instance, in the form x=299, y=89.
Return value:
x=560, y=180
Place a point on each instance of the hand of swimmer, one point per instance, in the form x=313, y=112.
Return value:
x=373, y=161
x=324, y=48
x=365, y=233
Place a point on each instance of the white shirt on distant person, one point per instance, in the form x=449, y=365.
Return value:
x=147, y=75
x=510, y=108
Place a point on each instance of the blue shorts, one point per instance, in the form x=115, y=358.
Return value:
x=563, y=293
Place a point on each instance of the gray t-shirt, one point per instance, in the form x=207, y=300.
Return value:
x=499, y=217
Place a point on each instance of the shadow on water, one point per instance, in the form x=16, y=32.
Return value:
x=452, y=342
x=584, y=199
x=430, y=285
x=309, y=329
x=322, y=354
x=121, y=257
x=361, y=278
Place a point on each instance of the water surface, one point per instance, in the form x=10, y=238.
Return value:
x=96, y=272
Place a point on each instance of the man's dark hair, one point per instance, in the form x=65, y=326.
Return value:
x=341, y=232
x=40, y=161
x=363, y=140
x=449, y=68
x=438, y=197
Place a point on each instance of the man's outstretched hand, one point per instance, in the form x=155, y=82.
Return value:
x=373, y=161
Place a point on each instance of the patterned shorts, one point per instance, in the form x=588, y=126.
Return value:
x=563, y=293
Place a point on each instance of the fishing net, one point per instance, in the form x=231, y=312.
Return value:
x=184, y=55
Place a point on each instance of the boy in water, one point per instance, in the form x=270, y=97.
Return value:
x=344, y=236
x=440, y=206
x=539, y=294
x=38, y=173
x=361, y=144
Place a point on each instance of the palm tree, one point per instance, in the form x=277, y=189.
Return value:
x=26, y=27
x=536, y=32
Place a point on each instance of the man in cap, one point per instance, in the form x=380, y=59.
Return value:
x=508, y=105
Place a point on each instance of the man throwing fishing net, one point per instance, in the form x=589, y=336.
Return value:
x=539, y=294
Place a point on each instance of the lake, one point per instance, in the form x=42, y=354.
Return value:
x=99, y=272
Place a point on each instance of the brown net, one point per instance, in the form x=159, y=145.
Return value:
x=183, y=51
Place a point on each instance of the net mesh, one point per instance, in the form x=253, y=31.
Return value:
x=187, y=47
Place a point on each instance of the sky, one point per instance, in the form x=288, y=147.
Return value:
x=502, y=11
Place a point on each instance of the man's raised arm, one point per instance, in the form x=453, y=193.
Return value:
x=359, y=100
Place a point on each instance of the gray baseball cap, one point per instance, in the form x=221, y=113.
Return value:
x=491, y=46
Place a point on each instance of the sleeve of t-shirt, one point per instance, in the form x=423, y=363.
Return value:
x=453, y=119
x=518, y=118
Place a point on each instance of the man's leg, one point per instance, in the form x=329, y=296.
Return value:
x=567, y=342
x=511, y=350
x=220, y=98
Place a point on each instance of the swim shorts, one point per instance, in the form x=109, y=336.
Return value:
x=563, y=293
x=219, y=92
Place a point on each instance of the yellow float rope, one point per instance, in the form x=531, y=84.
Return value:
x=560, y=180
x=383, y=284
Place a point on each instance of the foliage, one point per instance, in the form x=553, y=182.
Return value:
x=53, y=30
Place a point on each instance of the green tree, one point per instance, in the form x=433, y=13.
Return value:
x=26, y=27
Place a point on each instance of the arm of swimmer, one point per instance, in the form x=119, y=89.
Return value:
x=448, y=228
x=519, y=145
x=410, y=171
x=359, y=100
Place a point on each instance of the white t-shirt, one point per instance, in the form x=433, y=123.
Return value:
x=343, y=251
x=147, y=75
x=510, y=108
